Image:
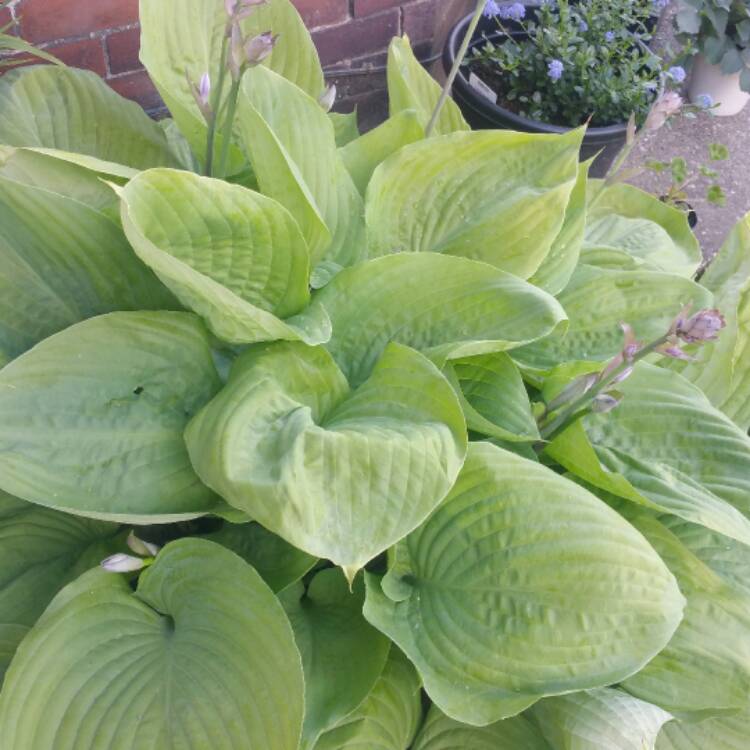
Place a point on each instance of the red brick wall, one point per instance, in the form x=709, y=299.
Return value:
x=102, y=35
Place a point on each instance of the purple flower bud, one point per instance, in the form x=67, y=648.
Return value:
x=605, y=402
x=677, y=73
x=624, y=375
x=202, y=94
x=239, y=9
x=258, y=48
x=514, y=12
x=236, y=56
x=121, y=563
x=671, y=350
x=630, y=346
x=705, y=325
x=705, y=101
x=491, y=9
x=328, y=98
x=142, y=547
x=668, y=104
x=609, y=36
x=555, y=69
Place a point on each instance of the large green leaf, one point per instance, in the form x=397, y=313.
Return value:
x=721, y=369
x=232, y=255
x=602, y=719
x=342, y=474
x=410, y=86
x=301, y=167
x=598, y=300
x=493, y=397
x=342, y=654
x=628, y=228
x=705, y=668
x=364, y=154
x=180, y=36
x=665, y=447
x=389, y=717
x=723, y=733
x=277, y=562
x=40, y=551
x=74, y=110
x=522, y=584
x=500, y=198
x=442, y=733
x=556, y=269
x=62, y=261
x=201, y=655
x=93, y=418
x=439, y=304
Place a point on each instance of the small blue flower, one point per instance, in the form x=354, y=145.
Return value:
x=514, y=12
x=659, y=5
x=555, y=69
x=677, y=73
x=491, y=9
x=610, y=36
x=706, y=101
x=583, y=27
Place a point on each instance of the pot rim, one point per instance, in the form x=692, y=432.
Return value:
x=489, y=109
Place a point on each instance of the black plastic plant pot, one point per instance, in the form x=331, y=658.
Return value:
x=483, y=114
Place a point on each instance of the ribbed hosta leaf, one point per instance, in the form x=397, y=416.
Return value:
x=277, y=562
x=342, y=474
x=60, y=262
x=597, y=300
x=442, y=733
x=522, y=584
x=603, y=719
x=342, y=654
x=628, y=228
x=721, y=369
x=345, y=127
x=201, y=655
x=446, y=306
x=186, y=35
x=410, y=86
x=556, y=269
x=723, y=733
x=93, y=418
x=301, y=167
x=74, y=110
x=493, y=397
x=364, y=154
x=388, y=718
x=666, y=447
x=705, y=668
x=40, y=551
x=500, y=198
x=232, y=255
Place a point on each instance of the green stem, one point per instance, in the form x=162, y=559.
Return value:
x=215, y=106
x=549, y=429
x=228, y=124
x=456, y=65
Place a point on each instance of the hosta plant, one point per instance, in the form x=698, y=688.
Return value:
x=311, y=439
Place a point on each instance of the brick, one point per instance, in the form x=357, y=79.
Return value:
x=84, y=53
x=138, y=87
x=322, y=12
x=48, y=20
x=419, y=21
x=122, y=50
x=5, y=19
x=368, y=7
x=357, y=38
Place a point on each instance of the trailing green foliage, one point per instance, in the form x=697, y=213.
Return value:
x=349, y=423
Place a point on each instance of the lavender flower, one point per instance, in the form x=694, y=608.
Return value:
x=677, y=73
x=705, y=101
x=491, y=9
x=555, y=69
x=583, y=27
x=703, y=326
x=609, y=36
x=514, y=12
x=202, y=94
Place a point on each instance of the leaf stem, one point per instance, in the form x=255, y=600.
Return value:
x=456, y=65
x=228, y=125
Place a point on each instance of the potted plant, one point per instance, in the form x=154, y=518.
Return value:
x=546, y=67
x=716, y=35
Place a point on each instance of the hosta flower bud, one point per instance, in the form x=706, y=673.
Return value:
x=328, y=98
x=202, y=94
x=236, y=52
x=142, y=547
x=674, y=351
x=574, y=390
x=605, y=402
x=121, y=563
x=668, y=104
x=241, y=8
x=258, y=48
x=703, y=326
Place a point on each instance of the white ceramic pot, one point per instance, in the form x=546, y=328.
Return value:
x=724, y=90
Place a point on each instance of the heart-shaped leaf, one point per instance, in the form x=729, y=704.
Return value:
x=522, y=584
x=200, y=655
x=342, y=474
x=342, y=654
x=232, y=255
x=93, y=418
